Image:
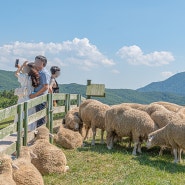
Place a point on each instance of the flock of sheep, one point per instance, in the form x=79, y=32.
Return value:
x=159, y=124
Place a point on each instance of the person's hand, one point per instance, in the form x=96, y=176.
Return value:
x=25, y=63
x=31, y=96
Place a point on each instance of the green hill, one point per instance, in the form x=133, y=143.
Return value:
x=175, y=84
x=115, y=96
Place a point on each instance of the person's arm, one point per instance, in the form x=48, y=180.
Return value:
x=19, y=68
x=40, y=92
x=52, y=82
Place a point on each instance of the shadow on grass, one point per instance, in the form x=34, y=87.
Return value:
x=149, y=157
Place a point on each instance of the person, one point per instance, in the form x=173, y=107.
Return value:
x=43, y=87
x=28, y=77
x=53, y=86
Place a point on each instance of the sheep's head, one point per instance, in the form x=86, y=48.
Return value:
x=27, y=153
x=41, y=133
x=149, y=141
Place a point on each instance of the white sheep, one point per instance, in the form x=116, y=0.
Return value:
x=50, y=159
x=170, y=106
x=124, y=121
x=26, y=173
x=68, y=138
x=6, y=170
x=92, y=114
x=72, y=120
x=172, y=135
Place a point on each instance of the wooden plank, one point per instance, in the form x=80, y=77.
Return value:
x=73, y=96
x=72, y=106
x=8, y=130
x=59, y=96
x=10, y=149
x=36, y=101
x=58, y=109
x=8, y=112
x=36, y=116
x=95, y=90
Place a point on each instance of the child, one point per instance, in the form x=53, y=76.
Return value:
x=28, y=77
x=53, y=86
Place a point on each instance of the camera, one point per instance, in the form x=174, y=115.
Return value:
x=16, y=62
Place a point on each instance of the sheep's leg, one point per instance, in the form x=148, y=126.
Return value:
x=179, y=155
x=135, y=148
x=102, y=133
x=110, y=140
x=175, y=155
x=94, y=134
x=87, y=132
x=139, y=148
x=161, y=151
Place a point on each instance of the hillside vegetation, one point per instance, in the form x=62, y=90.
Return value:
x=143, y=95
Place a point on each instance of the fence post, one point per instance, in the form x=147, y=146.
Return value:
x=19, y=128
x=67, y=102
x=51, y=117
x=25, y=124
x=48, y=110
x=78, y=100
x=88, y=83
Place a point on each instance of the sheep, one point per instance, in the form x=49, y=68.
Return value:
x=169, y=106
x=136, y=106
x=160, y=114
x=6, y=170
x=50, y=159
x=92, y=114
x=125, y=121
x=172, y=135
x=72, y=120
x=26, y=173
x=68, y=138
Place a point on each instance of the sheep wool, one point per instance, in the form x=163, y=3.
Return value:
x=123, y=121
x=6, y=170
x=72, y=120
x=172, y=135
x=50, y=159
x=68, y=138
x=92, y=114
x=26, y=173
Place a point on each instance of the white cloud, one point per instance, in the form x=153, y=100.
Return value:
x=115, y=71
x=79, y=52
x=135, y=56
x=166, y=74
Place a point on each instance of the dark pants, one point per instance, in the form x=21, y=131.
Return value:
x=38, y=108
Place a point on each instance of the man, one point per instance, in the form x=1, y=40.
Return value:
x=44, y=78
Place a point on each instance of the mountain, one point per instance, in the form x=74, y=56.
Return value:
x=175, y=84
x=113, y=96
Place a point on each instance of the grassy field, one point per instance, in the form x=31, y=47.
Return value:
x=92, y=165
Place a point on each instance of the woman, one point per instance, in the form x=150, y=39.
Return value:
x=28, y=77
x=53, y=86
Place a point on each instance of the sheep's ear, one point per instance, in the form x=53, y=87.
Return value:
x=150, y=138
x=15, y=166
x=33, y=155
x=51, y=135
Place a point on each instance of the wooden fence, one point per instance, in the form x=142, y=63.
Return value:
x=70, y=101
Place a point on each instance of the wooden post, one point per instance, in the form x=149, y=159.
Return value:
x=78, y=100
x=48, y=110
x=19, y=129
x=88, y=83
x=67, y=102
x=50, y=104
x=25, y=124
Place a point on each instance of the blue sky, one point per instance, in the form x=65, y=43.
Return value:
x=122, y=43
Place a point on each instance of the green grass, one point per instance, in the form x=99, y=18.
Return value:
x=4, y=123
x=92, y=165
